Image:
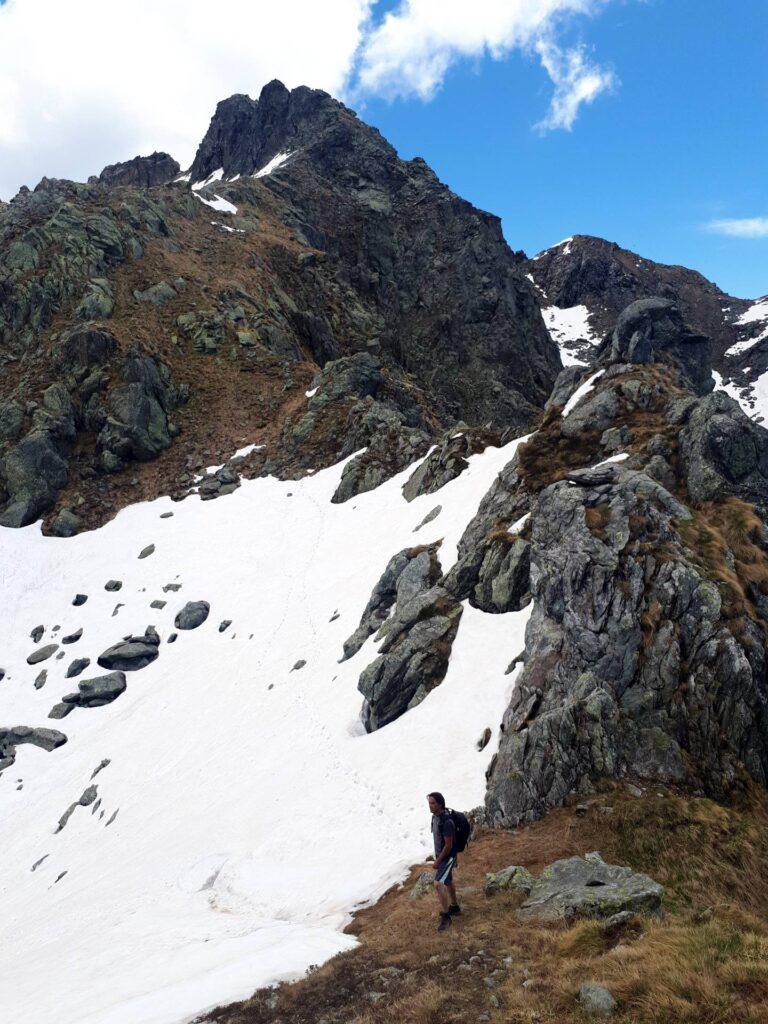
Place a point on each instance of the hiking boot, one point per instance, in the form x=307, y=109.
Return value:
x=445, y=922
x=454, y=910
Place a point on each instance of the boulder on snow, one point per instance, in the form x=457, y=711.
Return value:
x=93, y=693
x=42, y=654
x=192, y=615
x=134, y=653
x=76, y=667
x=15, y=736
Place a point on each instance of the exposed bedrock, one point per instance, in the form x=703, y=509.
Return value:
x=408, y=573
x=416, y=622
x=634, y=664
x=413, y=657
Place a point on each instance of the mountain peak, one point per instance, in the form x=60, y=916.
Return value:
x=245, y=134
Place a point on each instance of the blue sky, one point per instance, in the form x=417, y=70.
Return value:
x=677, y=145
x=681, y=141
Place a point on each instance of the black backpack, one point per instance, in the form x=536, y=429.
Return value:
x=463, y=830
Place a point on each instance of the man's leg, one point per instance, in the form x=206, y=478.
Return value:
x=442, y=896
x=452, y=894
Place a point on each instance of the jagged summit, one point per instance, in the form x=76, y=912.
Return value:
x=245, y=134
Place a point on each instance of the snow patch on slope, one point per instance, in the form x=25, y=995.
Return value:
x=274, y=163
x=581, y=391
x=757, y=313
x=215, y=176
x=252, y=814
x=565, y=245
x=753, y=397
x=569, y=329
x=217, y=203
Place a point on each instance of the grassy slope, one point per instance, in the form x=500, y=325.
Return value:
x=706, y=962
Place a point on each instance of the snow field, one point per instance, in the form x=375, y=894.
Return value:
x=253, y=812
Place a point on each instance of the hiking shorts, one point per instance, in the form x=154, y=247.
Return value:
x=444, y=872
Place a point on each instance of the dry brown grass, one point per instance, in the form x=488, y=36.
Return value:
x=705, y=962
x=597, y=518
x=728, y=541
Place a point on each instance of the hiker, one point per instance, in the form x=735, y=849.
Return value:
x=444, y=835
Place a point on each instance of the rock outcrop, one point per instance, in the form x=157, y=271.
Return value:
x=579, y=887
x=645, y=650
x=11, y=738
x=652, y=331
x=141, y=172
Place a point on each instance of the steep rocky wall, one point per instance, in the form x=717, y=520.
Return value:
x=645, y=650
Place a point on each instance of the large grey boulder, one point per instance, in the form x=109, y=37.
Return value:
x=42, y=654
x=98, y=302
x=588, y=887
x=34, y=471
x=11, y=420
x=652, y=330
x=96, y=692
x=14, y=736
x=595, y=1000
x=130, y=655
x=192, y=615
x=66, y=524
x=723, y=452
x=137, y=425
x=82, y=349
x=447, y=461
x=493, y=564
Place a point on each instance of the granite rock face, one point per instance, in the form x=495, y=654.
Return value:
x=406, y=300
x=598, y=274
x=645, y=650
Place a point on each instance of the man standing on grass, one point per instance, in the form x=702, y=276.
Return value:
x=444, y=835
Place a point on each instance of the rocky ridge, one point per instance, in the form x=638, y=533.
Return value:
x=344, y=268
x=633, y=518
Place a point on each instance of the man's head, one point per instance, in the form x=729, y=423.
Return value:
x=436, y=802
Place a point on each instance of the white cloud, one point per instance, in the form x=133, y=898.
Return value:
x=413, y=48
x=745, y=227
x=577, y=81
x=84, y=83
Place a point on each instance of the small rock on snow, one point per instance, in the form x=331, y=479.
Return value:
x=42, y=654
